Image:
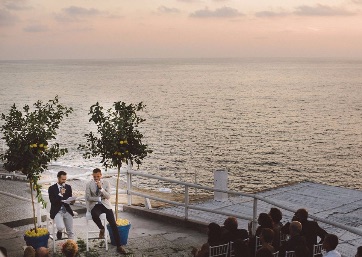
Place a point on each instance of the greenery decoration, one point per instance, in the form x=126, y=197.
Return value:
x=28, y=134
x=118, y=139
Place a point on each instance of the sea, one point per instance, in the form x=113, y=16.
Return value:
x=268, y=122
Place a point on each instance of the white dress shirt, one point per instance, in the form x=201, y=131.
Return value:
x=332, y=253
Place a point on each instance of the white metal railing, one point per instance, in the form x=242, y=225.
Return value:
x=130, y=173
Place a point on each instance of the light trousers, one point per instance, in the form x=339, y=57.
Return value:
x=64, y=220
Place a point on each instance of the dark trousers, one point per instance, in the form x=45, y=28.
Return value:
x=97, y=210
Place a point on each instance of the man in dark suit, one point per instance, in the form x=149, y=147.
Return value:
x=60, y=211
x=310, y=229
x=296, y=243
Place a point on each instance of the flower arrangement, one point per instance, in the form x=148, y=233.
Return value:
x=39, y=232
x=122, y=222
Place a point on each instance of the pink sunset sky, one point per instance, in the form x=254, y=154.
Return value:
x=74, y=29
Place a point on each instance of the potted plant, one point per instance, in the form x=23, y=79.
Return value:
x=28, y=134
x=118, y=141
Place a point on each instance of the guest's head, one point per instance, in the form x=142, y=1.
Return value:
x=231, y=224
x=267, y=235
x=301, y=215
x=214, y=233
x=42, y=252
x=265, y=221
x=359, y=252
x=295, y=228
x=3, y=251
x=29, y=251
x=276, y=215
x=264, y=252
x=70, y=248
x=330, y=242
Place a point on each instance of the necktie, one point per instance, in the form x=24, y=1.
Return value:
x=97, y=193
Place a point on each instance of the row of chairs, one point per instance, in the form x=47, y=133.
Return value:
x=317, y=249
x=89, y=232
x=226, y=250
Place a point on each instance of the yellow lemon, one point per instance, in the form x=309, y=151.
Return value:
x=121, y=142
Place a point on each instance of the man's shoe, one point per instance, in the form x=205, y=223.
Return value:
x=101, y=234
x=121, y=250
x=59, y=235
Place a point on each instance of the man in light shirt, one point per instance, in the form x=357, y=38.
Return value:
x=98, y=196
x=330, y=243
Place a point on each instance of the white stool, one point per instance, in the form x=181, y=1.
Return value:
x=103, y=218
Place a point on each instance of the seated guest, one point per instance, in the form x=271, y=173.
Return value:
x=264, y=221
x=276, y=216
x=330, y=243
x=266, y=238
x=3, y=252
x=296, y=242
x=42, y=252
x=310, y=229
x=29, y=252
x=230, y=231
x=70, y=248
x=213, y=238
x=359, y=252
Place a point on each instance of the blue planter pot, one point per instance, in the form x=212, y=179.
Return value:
x=123, y=234
x=37, y=242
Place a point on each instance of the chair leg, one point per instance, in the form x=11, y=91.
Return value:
x=54, y=236
x=87, y=236
x=105, y=234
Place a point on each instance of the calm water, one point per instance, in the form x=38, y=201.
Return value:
x=269, y=122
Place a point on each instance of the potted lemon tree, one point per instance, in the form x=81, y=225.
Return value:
x=30, y=138
x=117, y=140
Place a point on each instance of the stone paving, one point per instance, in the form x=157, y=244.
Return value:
x=149, y=237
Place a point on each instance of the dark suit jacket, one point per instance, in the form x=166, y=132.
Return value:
x=310, y=230
x=55, y=199
x=296, y=243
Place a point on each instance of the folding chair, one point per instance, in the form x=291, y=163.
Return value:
x=53, y=232
x=283, y=237
x=219, y=250
x=103, y=218
x=290, y=254
x=257, y=243
x=317, y=250
x=276, y=254
x=231, y=248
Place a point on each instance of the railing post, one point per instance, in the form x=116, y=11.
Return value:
x=187, y=202
x=255, y=214
x=38, y=214
x=129, y=188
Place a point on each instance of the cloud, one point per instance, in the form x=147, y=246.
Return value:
x=224, y=12
x=321, y=10
x=271, y=14
x=357, y=1
x=164, y=9
x=36, y=28
x=75, y=13
x=6, y=18
x=16, y=5
x=189, y=1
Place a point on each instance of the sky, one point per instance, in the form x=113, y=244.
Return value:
x=103, y=29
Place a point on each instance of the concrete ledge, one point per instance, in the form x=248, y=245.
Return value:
x=174, y=220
